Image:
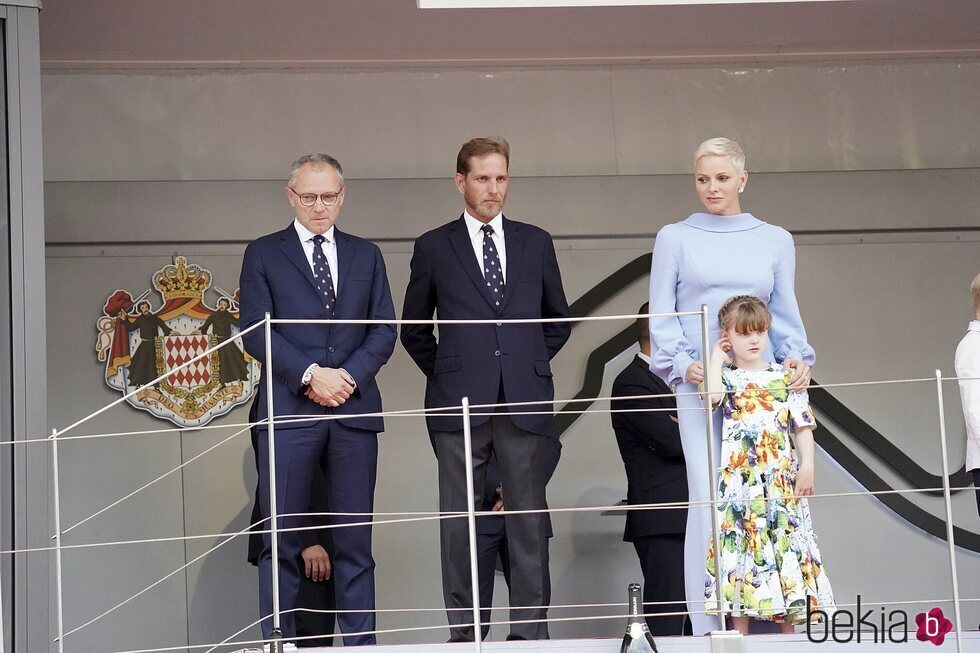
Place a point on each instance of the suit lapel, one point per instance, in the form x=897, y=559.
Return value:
x=514, y=247
x=345, y=256
x=459, y=237
x=292, y=248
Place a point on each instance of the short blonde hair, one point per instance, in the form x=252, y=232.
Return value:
x=721, y=146
x=975, y=292
x=744, y=313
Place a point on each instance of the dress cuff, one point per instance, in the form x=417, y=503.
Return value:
x=682, y=361
x=792, y=356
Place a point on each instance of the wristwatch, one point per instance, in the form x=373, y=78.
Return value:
x=308, y=375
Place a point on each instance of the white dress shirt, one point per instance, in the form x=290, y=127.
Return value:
x=328, y=247
x=475, y=229
x=967, y=365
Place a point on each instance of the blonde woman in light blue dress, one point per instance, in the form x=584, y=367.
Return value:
x=706, y=259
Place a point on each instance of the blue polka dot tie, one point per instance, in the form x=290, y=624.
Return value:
x=492, y=272
x=322, y=277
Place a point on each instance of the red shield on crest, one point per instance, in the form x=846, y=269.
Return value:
x=177, y=350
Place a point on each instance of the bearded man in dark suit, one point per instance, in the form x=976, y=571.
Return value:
x=485, y=266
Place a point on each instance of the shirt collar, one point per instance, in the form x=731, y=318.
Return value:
x=305, y=234
x=473, y=226
x=974, y=326
x=644, y=357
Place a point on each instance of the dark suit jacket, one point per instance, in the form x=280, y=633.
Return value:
x=475, y=361
x=276, y=277
x=650, y=444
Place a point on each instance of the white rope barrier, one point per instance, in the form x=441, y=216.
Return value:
x=154, y=481
x=464, y=410
x=186, y=364
x=441, y=410
x=150, y=586
x=423, y=516
x=949, y=512
x=530, y=320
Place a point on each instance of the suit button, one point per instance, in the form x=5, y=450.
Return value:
x=330, y=349
x=496, y=353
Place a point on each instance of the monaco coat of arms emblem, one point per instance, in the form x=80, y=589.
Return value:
x=139, y=344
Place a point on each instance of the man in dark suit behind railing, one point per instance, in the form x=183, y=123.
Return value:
x=650, y=445
x=485, y=266
x=313, y=271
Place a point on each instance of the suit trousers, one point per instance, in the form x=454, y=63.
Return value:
x=524, y=474
x=663, y=581
x=348, y=459
x=489, y=547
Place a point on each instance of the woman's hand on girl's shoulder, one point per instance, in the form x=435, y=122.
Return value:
x=800, y=379
x=695, y=373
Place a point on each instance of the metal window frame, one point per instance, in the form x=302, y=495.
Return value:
x=24, y=494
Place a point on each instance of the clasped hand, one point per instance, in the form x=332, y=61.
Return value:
x=330, y=387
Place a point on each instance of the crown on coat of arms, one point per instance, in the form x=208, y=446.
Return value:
x=182, y=280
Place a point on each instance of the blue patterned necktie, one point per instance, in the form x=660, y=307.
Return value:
x=492, y=272
x=322, y=277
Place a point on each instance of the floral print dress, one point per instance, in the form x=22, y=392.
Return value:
x=770, y=561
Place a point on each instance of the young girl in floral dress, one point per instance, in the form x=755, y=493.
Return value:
x=770, y=563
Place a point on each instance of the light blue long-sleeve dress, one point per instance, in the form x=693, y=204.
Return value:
x=705, y=260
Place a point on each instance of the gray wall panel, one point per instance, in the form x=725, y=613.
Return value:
x=563, y=122
x=238, y=211
x=857, y=117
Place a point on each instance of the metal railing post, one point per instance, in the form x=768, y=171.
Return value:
x=949, y=512
x=471, y=524
x=712, y=471
x=59, y=583
x=276, y=633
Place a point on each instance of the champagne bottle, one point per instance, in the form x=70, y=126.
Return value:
x=637, y=638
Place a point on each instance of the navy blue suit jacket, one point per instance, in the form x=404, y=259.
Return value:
x=650, y=444
x=276, y=278
x=475, y=361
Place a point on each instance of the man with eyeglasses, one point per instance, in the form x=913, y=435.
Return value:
x=324, y=372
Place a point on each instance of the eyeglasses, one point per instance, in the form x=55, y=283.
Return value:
x=309, y=199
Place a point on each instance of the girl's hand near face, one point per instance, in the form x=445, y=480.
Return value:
x=723, y=347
